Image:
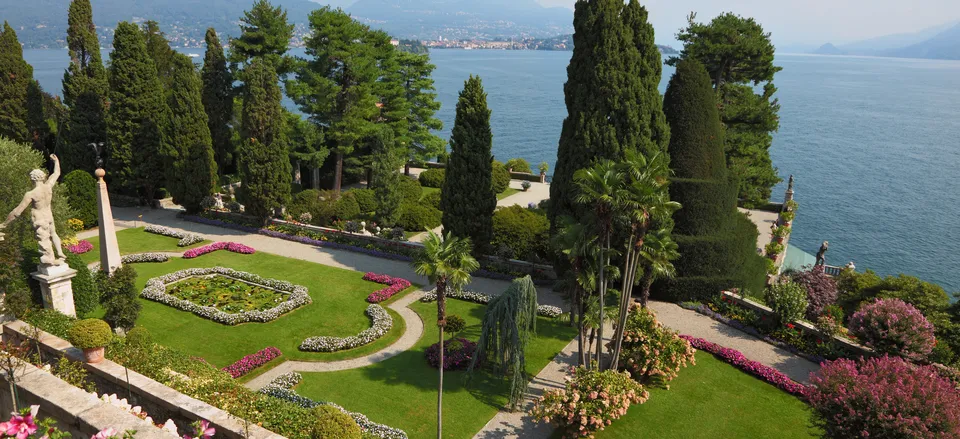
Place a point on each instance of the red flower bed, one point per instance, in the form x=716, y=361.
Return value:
x=229, y=246
x=394, y=286
x=457, y=354
x=80, y=247
x=736, y=358
x=252, y=361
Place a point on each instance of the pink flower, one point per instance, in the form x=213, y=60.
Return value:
x=106, y=433
x=19, y=425
x=206, y=431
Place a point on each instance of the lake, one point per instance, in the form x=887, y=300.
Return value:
x=874, y=144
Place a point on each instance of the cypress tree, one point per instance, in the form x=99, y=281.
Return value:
x=263, y=163
x=84, y=90
x=137, y=116
x=15, y=78
x=468, y=198
x=717, y=243
x=191, y=169
x=218, y=101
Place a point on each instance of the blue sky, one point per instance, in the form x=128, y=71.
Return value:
x=806, y=21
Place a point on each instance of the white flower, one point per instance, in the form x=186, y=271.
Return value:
x=382, y=322
x=481, y=298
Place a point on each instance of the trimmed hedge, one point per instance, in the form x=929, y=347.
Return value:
x=308, y=201
x=521, y=231
x=432, y=178
x=90, y=333
x=366, y=199
x=433, y=199
x=410, y=189
x=707, y=205
x=418, y=217
x=501, y=177
x=718, y=254
x=518, y=165
x=332, y=423
x=86, y=297
x=347, y=207
x=81, y=190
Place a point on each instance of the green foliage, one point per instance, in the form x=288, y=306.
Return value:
x=17, y=76
x=120, y=297
x=86, y=124
x=366, y=199
x=388, y=182
x=410, y=190
x=86, y=297
x=787, y=300
x=190, y=164
x=525, y=233
x=414, y=72
x=306, y=140
x=453, y=325
x=433, y=199
x=347, y=207
x=139, y=338
x=50, y=320
x=264, y=33
x=518, y=165
x=81, y=191
x=320, y=205
x=263, y=163
x=690, y=107
x=330, y=422
x=90, y=333
x=217, y=100
x=432, y=178
x=500, y=177
x=74, y=374
x=86, y=73
x=415, y=216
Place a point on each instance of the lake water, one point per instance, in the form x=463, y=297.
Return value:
x=874, y=144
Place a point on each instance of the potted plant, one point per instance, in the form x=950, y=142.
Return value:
x=786, y=217
x=780, y=233
x=525, y=185
x=791, y=205
x=773, y=249
x=90, y=335
x=543, y=171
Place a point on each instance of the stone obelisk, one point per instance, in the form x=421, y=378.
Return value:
x=109, y=251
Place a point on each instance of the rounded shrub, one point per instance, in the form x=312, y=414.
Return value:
x=415, y=216
x=884, y=397
x=81, y=190
x=410, y=189
x=500, y=177
x=518, y=165
x=432, y=178
x=787, y=300
x=433, y=199
x=821, y=290
x=139, y=338
x=365, y=199
x=895, y=327
x=457, y=354
x=524, y=232
x=90, y=333
x=330, y=423
x=347, y=207
x=454, y=324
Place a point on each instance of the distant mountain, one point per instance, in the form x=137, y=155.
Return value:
x=945, y=45
x=939, y=42
x=829, y=49
x=894, y=41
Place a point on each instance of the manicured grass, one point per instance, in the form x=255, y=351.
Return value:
x=510, y=191
x=402, y=392
x=337, y=310
x=714, y=400
x=135, y=240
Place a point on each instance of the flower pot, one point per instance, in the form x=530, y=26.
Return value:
x=780, y=239
x=93, y=355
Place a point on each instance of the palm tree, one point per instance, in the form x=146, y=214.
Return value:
x=575, y=242
x=657, y=252
x=447, y=263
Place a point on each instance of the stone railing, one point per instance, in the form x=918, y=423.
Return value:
x=540, y=178
x=158, y=400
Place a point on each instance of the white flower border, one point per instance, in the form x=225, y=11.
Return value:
x=282, y=387
x=136, y=258
x=185, y=238
x=382, y=322
x=156, y=290
x=481, y=298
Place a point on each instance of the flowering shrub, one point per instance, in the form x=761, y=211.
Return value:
x=156, y=290
x=787, y=300
x=590, y=401
x=250, y=362
x=281, y=387
x=481, y=298
x=80, y=247
x=895, y=327
x=394, y=286
x=382, y=322
x=457, y=354
x=75, y=224
x=210, y=248
x=186, y=239
x=884, y=397
x=652, y=352
x=821, y=290
x=736, y=358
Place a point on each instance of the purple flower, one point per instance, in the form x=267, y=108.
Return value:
x=252, y=361
x=738, y=360
x=80, y=247
x=895, y=327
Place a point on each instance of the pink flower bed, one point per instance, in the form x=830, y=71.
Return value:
x=736, y=358
x=252, y=361
x=80, y=247
x=229, y=246
x=394, y=286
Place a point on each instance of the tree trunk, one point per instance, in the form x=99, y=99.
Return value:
x=440, y=391
x=338, y=175
x=581, y=329
x=315, y=181
x=13, y=393
x=646, y=281
x=629, y=272
x=369, y=176
x=605, y=260
x=296, y=172
x=593, y=334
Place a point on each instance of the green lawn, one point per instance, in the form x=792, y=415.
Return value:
x=714, y=400
x=337, y=310
x=510, y=191
x=135, y=240
x=402, y=392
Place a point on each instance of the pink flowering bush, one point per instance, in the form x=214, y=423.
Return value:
x=651, y=352
x=884, y=397
x=394, y=286
x=80, y=247
x=252, y=361
x=738, y=360
x=590, y=401
x=821, y=290
x=457, y=354
x=892, y=326
x=209, y=248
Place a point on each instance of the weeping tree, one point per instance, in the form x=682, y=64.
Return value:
x=508, y=323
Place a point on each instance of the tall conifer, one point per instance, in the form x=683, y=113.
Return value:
x=15, y=78
x=84, y=90
x=218, y=101
x=264, y=33
x=191, y=169
x=468, y=198
x=262, y=159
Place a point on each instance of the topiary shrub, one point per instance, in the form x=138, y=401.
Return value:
x=524, y=232
x=366, y=200
x=81, y=190
x=895, y=327
x=432, y=178
x=651, y=352
x=432, y=199
x=331, y=423
x=347, y=207
x=500, y=177
x=90, y=333
x=120, y=297
x=821, y=290
x=454, y=324
x=787, y=300
x=518, y=165
x=410, y=189
x=86, y=297
x=590, y=401
x=139, y=338
x=883, y=397
x=415, y=216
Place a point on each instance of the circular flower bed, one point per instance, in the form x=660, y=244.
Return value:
x=457, y=354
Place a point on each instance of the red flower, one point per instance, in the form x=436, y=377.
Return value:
x=790, y=325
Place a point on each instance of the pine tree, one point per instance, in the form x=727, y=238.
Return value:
x=138, y=114
x=218, y=101
x=263, y=163
x=385, y=166
x=84, y=90
x=468, y=198
x=264, y=33
x=717, y=243
x=415, y=74
x=190, y=167
x=613, y=104
x=15, y=78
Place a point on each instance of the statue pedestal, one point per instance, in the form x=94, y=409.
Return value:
x=56, y=287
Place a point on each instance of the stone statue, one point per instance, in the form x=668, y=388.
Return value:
x=42, y=215
x=821, y=257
